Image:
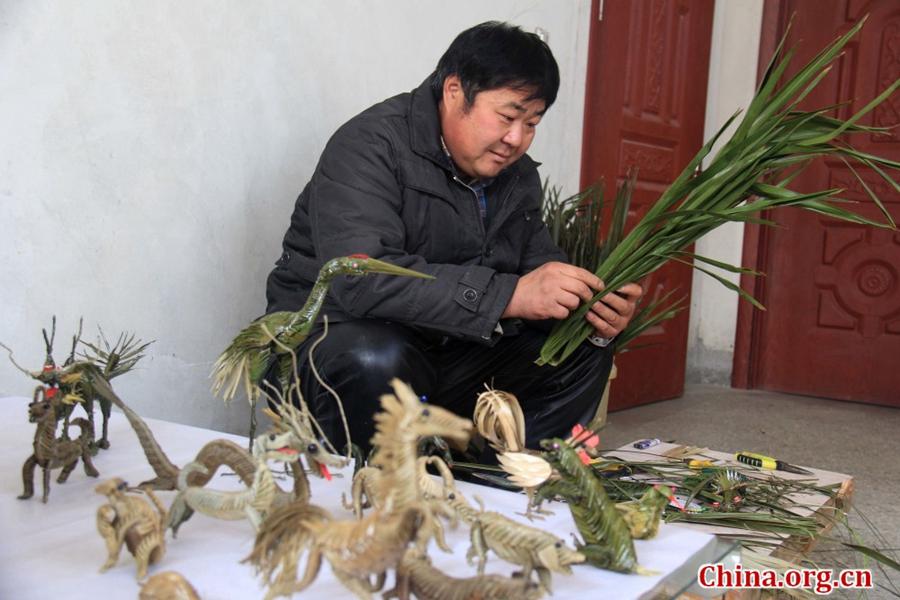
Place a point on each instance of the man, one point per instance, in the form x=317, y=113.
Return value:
x=437, y=180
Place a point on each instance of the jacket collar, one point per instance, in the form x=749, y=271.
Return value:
x=425, y=132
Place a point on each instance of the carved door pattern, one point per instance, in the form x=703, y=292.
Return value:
x=833, y=289
x=644, y=108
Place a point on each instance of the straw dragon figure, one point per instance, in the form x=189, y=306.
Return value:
x=358, y=549
x=252, y=503
x=51, y=452
x=538, y=551
x=130, y=520
x=531, y=548
x=219, y=453
x=270, y=340
x=355, y=549
x=75, y=380
x=393, y=476
x=281, y=541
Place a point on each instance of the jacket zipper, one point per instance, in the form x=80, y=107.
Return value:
x=477, y=206
x=509, y=191
x=512, y=186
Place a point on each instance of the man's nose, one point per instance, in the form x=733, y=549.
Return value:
x=513, y=135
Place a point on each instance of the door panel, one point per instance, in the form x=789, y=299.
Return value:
x=644, y=108
x=832, y=328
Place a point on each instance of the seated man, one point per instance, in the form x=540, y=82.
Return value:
x=437, y=180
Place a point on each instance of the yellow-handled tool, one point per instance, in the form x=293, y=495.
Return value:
x=767, y=462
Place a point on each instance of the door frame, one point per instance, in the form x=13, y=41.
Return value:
x=750, y=320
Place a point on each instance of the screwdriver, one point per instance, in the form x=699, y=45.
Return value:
x=766, y=462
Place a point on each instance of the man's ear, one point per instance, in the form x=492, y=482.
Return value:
x=453, y=91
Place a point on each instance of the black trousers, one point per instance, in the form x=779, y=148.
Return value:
x=359, y=358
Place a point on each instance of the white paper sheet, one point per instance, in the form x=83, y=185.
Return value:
x=54, y=550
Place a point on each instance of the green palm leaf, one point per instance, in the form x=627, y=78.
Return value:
x=774, y=142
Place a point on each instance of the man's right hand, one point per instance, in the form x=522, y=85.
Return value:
x=551, y=291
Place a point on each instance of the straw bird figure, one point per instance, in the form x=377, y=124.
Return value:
x=273, y=337
x=499, y=420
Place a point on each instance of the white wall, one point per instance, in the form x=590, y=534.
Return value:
x=151, y=152
x=732, y=81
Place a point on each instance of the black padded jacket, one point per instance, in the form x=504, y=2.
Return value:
x=384, y=187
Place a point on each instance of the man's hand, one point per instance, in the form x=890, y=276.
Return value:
x=555, y=289
x=610, y=315
x=551, y=291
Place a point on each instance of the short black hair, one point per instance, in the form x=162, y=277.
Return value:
x=494, y=55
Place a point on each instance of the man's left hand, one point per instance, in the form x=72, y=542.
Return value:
x=611, y=315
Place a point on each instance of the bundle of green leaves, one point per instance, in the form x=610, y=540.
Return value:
x=575, y=224
x=751, y=173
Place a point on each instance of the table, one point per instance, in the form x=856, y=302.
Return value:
x=53, y=550
x=820, y=506
x=823, y=508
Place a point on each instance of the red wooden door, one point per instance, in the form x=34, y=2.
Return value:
x=644, y=108
x=832, y=328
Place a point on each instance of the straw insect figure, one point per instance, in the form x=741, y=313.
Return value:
x=724, y=489
x=731, y=486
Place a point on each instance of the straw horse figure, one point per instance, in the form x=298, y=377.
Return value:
x=392, y=479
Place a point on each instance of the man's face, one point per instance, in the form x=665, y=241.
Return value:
x=491, y=134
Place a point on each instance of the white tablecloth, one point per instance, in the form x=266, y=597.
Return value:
x=53, y=550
